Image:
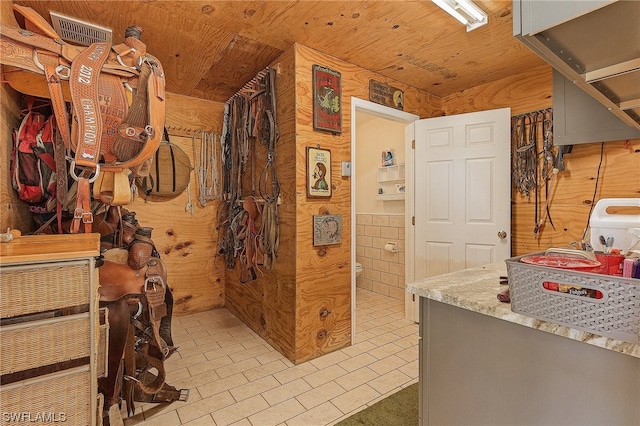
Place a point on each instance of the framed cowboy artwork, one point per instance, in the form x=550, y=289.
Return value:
x=327, y=99
x=318, y=172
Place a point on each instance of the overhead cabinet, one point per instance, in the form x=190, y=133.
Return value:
x=595, y=46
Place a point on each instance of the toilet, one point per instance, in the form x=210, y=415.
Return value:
x=358, y=269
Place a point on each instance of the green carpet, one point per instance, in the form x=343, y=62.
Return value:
x=399, y=409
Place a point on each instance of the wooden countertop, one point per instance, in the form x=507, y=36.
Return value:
x=476, y=289
x=45, y=248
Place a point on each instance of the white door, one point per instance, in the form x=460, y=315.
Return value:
x=461, y=192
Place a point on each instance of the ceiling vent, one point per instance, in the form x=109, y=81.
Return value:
x=75, y=31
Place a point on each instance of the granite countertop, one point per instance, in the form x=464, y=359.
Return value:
x=476, y=289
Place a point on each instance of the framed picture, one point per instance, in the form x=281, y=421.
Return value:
x=327, y=100
x=318, y=172
x=327, y=229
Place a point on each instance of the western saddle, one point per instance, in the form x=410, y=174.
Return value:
x=113, y=128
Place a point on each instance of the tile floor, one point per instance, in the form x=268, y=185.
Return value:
x=236, y=378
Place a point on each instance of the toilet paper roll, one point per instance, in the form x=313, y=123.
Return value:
x=390, y=247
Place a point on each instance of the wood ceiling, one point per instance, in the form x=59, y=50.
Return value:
x=209, y=49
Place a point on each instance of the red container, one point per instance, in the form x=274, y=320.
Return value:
x=611, y=264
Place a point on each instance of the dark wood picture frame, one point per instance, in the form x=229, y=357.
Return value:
x=318, y=171
x=327, y=99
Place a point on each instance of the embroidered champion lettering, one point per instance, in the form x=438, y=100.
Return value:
x=90, y=129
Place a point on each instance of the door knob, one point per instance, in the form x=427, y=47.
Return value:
x=502, y=235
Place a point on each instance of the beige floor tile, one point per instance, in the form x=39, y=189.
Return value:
x=357, y=362
x=320, y=394
x=321, y=415
x=389, y=381
x=364, y=336
x=411, y=369
x=163, y=419
x=238, y=367
x=254, y=388
x=355, y=398
x=206, y=340
x=178, y=360
x=387, y=364
x=295, y=372
x=382, y=339
x=209, y=365
x=408, y=341
x=239, y=410
x=381, y=329
x=356, y=378
x=177, y=374
x=405, y=329
x=202, y=421
x=224, y=350
x=325, y=375
x=195, y=350
x=329, y=359
x=195, y=410
x=222, y=385
x=264, y=370
x=278, y=413
x=252, y=341
x=182, y=342
x=286, y=391
x=271, y=356
x=236, y=378
x=197, y=380
x=359, y=348
x=409, y=354
x=386, y=350
x=252, y=352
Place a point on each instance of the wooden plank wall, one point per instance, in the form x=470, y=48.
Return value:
x=187, y=242
x=572, y=194
x=323, y=273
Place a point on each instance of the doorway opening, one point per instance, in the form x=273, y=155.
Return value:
x=393, y=127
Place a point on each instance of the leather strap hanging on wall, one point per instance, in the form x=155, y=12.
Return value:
x=248, y=224
x=531, y=166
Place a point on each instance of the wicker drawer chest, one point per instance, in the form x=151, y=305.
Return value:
x=49, y=329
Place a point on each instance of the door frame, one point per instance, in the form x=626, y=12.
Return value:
x=388, y=113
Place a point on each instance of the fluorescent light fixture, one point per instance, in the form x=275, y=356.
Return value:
x=464, y=11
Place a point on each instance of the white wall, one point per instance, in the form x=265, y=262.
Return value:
x=374, y=135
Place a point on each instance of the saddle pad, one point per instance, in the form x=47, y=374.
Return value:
x=116, y=255
x=169, y=173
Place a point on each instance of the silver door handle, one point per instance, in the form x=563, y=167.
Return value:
x=502, y=235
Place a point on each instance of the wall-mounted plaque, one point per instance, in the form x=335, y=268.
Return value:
x=327, y=99
x=327, y=229
x=384, y=94
x=318, y=172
